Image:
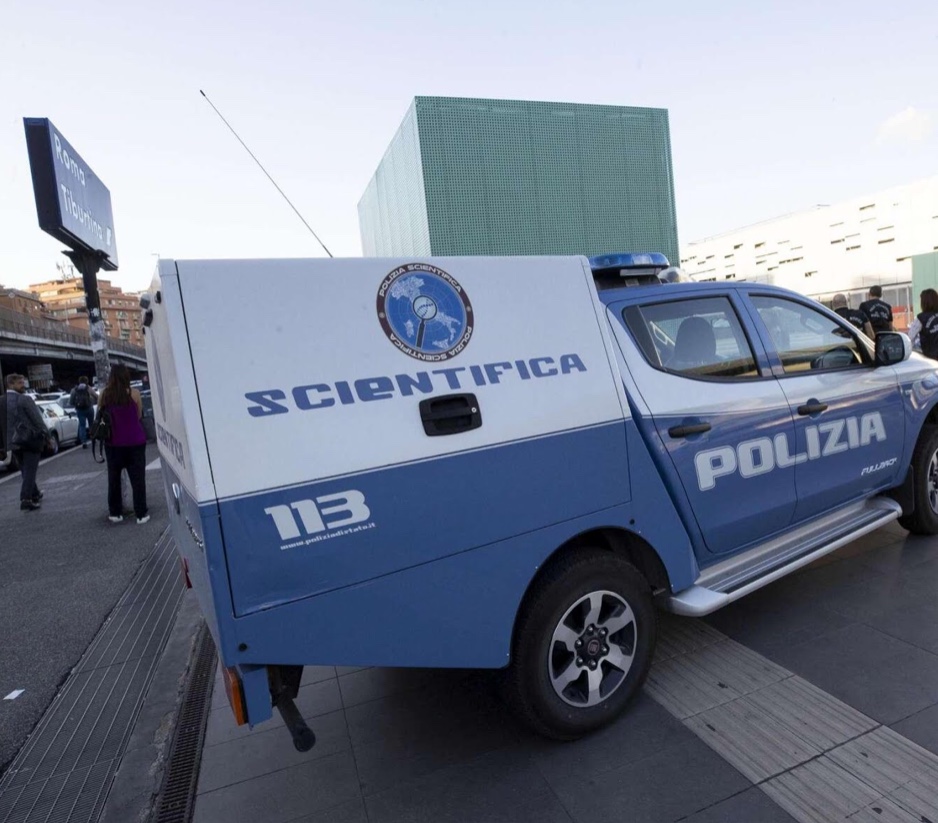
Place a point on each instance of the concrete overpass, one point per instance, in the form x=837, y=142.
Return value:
x=26, y=340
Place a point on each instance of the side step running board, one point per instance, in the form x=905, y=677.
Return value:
x=735, y=578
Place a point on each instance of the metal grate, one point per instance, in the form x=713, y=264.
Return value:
x=65, y=769
x=177, y=795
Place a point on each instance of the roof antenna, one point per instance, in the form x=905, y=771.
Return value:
x=308, y=226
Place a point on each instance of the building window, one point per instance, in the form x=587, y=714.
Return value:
x=887, y=240
x=851, y=248
x=870, y=206
x=760, y=245
x=835, y=242
x=740, y=245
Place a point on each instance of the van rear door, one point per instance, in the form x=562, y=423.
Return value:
x=365, y=416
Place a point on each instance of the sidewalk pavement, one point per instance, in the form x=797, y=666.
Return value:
x=62, y=569
x=417, y=745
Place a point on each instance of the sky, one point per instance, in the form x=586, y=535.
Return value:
x=774, y=107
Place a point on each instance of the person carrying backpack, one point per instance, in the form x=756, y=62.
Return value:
x=125, y=447
x=83, y=398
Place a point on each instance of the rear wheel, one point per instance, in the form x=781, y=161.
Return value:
x=53, y=445
x=924, y=520
x=583, y=644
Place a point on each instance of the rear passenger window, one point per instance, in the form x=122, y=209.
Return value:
x=697, y=338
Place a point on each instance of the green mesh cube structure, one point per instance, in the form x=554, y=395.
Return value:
x=471, y=176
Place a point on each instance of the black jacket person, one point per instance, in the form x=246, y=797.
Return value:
x=877, y=310
x=26, y=436
x=853, y=316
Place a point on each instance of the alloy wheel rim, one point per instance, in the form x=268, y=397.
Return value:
x=592, y=648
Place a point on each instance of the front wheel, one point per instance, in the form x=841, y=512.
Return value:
x=583, y=645
x=924, y=520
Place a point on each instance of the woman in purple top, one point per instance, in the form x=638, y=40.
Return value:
x=128, y=444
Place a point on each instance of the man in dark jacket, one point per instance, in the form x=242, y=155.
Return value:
x=26, y=436
x=853, y=316
x=6, y=456
x=878, y=310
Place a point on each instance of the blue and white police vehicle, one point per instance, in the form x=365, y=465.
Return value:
x=509, y=462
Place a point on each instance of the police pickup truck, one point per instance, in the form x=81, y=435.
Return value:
x=508, y=462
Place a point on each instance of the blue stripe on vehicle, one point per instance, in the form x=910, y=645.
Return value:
x=292, y=543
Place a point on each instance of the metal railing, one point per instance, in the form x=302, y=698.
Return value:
x=21, y=323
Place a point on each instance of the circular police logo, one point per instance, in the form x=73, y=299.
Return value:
x=425, y=312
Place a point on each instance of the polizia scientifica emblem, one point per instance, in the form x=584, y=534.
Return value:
x=425, y=312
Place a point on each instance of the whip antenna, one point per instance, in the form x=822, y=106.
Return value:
x=296, y=211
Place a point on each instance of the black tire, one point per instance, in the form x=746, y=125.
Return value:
x=538, y=660
x=924, y=520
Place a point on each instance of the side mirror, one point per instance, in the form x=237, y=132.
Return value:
x=892, y=347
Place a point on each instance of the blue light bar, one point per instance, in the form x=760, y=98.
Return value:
x=627, y=260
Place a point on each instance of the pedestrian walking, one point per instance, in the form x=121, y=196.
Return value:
x=878, y=310
x=126, y=448
x=83, y=399
x=852, y=316
x=924, y=328
x=26, y=437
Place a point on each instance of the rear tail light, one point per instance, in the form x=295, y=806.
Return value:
x=235, y=695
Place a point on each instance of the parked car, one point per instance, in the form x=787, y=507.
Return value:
x=62, y=426
x=66, y=403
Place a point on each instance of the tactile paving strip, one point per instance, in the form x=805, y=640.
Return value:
x=816, y=757
x=65, y=769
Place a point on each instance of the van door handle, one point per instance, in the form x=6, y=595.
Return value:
x=450, y=414
x=812, y=407
x=686, y=431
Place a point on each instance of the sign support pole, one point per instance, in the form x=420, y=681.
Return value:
x=89, y=264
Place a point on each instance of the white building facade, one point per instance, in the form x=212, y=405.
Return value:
x=846, y=247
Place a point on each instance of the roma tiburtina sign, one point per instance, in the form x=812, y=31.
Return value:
x=73, y=205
